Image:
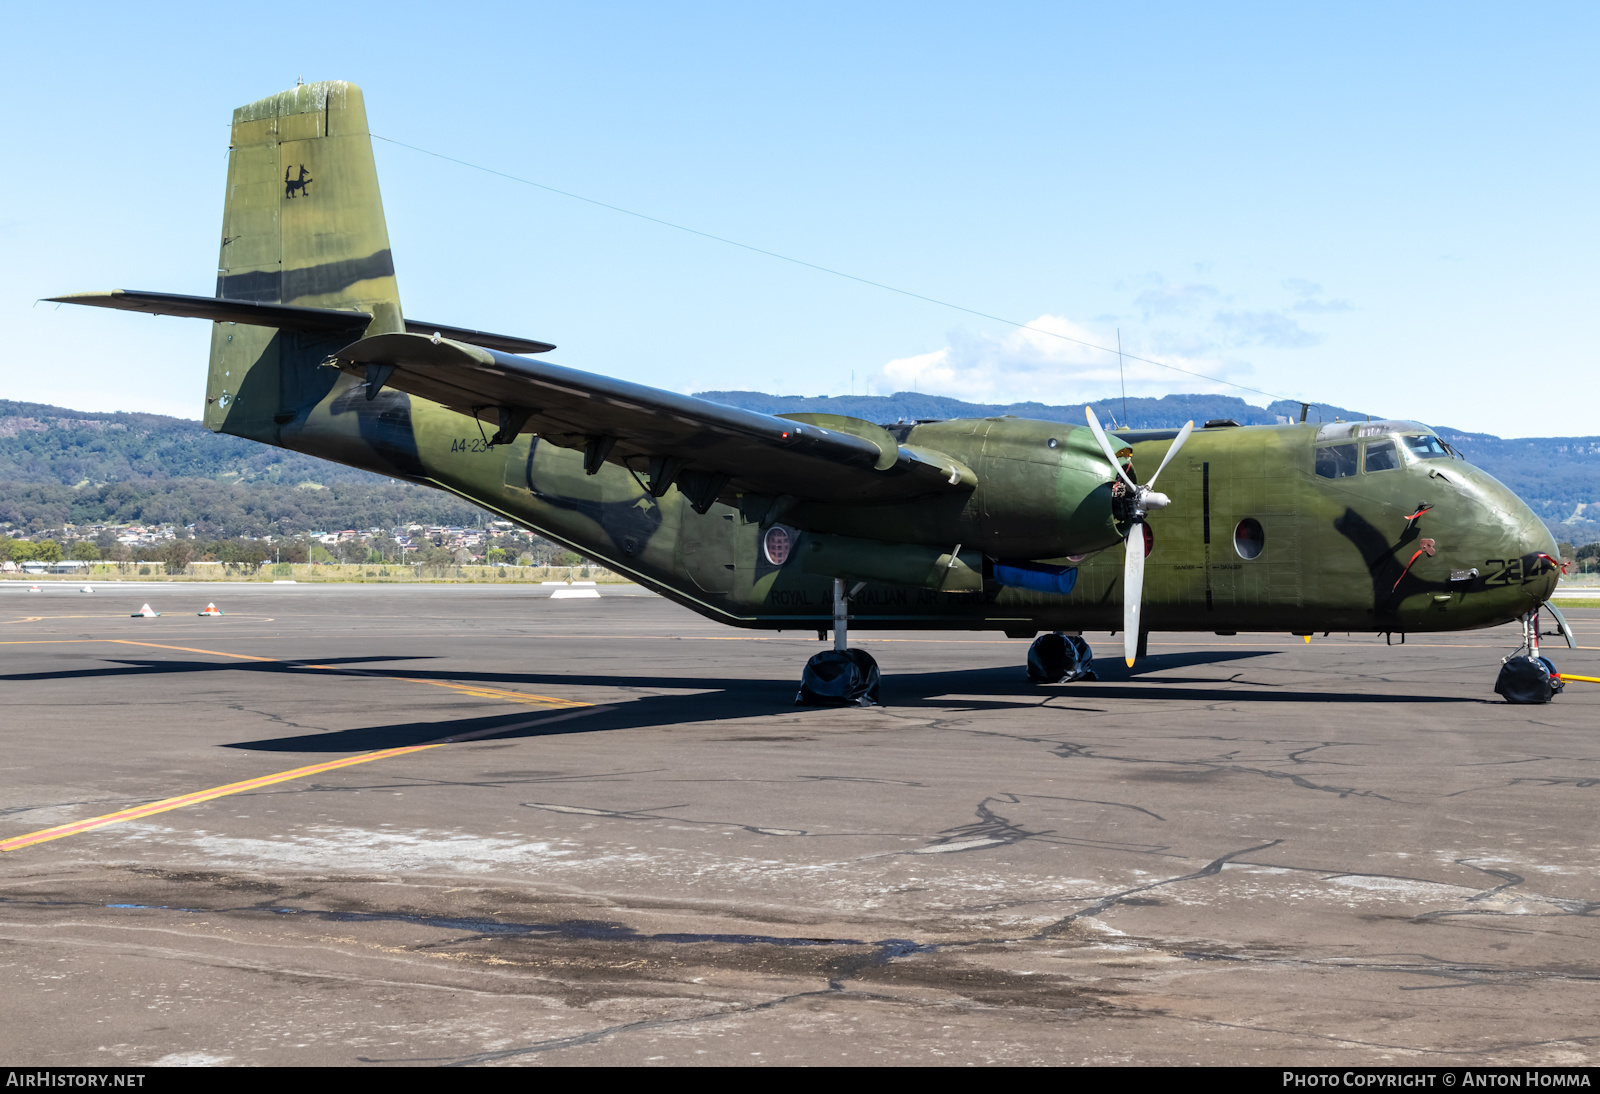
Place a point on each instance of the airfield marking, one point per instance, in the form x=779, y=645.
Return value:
x=120, y=615
x=480, y=691
x=151, y=808
x=45, y=835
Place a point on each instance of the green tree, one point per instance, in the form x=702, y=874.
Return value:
x=47, y=550
x=176, y=554
x=436, y=560
x=86, y=550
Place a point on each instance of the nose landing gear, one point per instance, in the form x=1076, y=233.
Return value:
x=1530, y=677
x=840, y=677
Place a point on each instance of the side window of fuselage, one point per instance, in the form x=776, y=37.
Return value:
x=1381, y=456
x=1336, y=461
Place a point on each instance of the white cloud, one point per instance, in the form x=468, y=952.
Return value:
x=1194, y=327
x=1047, y=361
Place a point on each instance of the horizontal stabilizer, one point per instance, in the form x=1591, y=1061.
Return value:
x=505, y=343
x=284, y=317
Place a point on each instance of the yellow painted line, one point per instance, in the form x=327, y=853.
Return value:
x=50, y=641
x=138, y=811
x=182, y=649
x=45, y=835
x=150, y=809
x=480, y=691
x=123, y=615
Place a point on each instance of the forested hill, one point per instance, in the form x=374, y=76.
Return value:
x=40, y=443
x=59, y=465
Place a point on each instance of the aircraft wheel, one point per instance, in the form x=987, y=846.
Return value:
x=1528, y=680
x=1058, y=658
x=839, y=678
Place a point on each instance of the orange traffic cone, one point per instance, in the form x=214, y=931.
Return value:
x=145, y=613
x=211, y=609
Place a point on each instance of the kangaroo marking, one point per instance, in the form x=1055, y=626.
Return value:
x=291, y=185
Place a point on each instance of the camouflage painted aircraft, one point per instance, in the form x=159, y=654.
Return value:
x=815, y=521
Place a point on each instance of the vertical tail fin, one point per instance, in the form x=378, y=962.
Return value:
x=302, y=224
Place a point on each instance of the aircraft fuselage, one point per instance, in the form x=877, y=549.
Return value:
x=1340, y=550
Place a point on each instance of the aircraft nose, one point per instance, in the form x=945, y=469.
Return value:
x=1530, y=558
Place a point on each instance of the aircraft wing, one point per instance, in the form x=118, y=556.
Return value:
x=707, y=450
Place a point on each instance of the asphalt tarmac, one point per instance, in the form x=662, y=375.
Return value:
x=634, y=849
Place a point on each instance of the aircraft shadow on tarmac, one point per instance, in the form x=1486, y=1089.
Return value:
x=724, y=700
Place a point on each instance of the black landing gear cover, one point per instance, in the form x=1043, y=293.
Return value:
x=839, y=678
x=1528, y=680
x=1059, y=659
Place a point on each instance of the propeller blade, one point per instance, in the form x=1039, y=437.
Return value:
x=1132, y=590
x=1183, y=435
x=1105, y=446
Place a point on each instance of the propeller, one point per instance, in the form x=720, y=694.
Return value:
x=1141, y=499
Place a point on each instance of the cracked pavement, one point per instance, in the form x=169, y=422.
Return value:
x=1251, y=850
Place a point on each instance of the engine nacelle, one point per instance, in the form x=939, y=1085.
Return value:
x=1043, y=492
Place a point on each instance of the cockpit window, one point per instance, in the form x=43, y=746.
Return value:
x=1381, y=456
x=1426, y=448
x=1336, y=461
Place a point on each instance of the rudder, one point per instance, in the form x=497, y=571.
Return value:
x=302, y=224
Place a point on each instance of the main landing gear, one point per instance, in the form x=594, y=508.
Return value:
x=1058, y=658
x=840, y=677
x=1530, y=677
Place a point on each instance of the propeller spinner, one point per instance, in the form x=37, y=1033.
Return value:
x=1141, y=499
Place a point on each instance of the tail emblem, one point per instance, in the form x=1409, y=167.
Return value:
x=291, y=185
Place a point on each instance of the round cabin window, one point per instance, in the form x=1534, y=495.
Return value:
x=1248, y=538
x=777, y=544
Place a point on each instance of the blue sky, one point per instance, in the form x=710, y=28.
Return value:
x=1383, y=207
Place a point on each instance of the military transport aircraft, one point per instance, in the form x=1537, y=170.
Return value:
x=806, y=521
